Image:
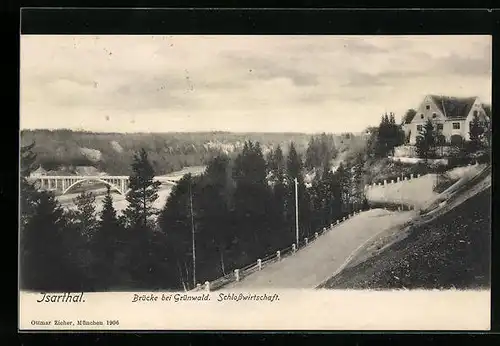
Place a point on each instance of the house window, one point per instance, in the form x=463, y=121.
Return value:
x=434, y=115
x=419, y=127
x=421, y=116
x=456, y=126
x=439, y=126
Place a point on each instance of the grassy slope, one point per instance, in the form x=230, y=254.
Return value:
x=452, y=250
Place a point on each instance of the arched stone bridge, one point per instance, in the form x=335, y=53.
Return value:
x=64, y=184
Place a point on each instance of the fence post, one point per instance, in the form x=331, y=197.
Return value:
x=405, y=178
x=198, y=286
x=259, y=263
x=207, y=286
x=294, y=247
x=306, y=240
x=338, y=222
x=316, y=235
x=411, y=176
x=385, y=182
x=278, y=254
x=237, y=274
x=343, y=219
x=397, y=179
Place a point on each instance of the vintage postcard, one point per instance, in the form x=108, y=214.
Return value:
x=255, y=182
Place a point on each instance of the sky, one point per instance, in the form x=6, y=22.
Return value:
x=241, y=83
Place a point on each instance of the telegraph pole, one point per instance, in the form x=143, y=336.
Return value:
x=192, y=232
x=297, y=212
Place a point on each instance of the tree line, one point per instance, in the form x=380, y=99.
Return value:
x=240, y=209
x=114, y=152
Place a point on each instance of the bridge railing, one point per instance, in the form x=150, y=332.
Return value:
x=239, y=274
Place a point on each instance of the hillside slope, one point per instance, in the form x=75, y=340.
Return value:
x=450, y=250
x=168, y=152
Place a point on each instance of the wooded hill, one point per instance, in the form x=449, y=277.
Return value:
x=113, y=152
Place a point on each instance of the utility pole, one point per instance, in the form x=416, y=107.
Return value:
x=192, y=232
x=297, y=212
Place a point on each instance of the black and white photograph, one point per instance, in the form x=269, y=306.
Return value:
x=205, y=165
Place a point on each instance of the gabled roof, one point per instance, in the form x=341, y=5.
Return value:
x=454, y=107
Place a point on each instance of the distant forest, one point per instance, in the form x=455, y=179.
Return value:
x=113, y=152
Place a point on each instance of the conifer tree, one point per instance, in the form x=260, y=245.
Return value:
x=143, y=192
x=252, y=200
x=476, y=133
x=295, y=171
x=85, y=215
x=277, y=179
x=426, y=141
x=47, y=263
x=144, y=254
x=176, y=224
x=108, y=246
x=343, y=178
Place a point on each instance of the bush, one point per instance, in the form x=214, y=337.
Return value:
x=484, y=157
x=457, y=161
x=457, y=140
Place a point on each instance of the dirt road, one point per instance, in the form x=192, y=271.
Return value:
x=317, y=262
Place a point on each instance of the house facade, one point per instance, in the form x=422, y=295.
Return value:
x=451, y=117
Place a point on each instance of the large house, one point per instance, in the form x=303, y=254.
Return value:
x=451, y=116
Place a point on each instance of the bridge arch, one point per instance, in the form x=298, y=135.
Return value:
x=112, y=186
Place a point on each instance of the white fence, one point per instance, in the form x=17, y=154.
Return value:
x=240, y=273
x=414, y=189
x=393, y=181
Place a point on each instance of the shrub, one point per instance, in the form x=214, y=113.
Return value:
x=457, y=140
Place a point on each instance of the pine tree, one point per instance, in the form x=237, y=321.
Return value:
x=144, y=258
x=295, y=171
x=276, y=166
x=108, y=246
x=294, y=165
x=47, y=263
x=311, y=154
x=142, y=194
x=85, y=215
x=176, y=224
x=252, y=200
x=426, y=141
x=343, y=179
x=476, y=133
x=277, y=179
x=389, y=135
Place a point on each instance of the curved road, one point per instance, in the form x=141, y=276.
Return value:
x=317, y=262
